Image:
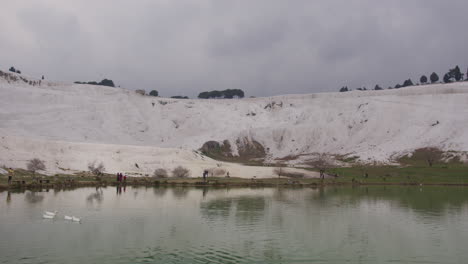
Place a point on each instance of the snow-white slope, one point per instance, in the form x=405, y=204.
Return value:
x=69, y=157
x=373, y=125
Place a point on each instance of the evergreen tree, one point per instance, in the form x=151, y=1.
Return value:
x=12, y=69
x=344, y=89
x=397, y=86
x=434, y=77
x=107, y=82
x=408, y=83
x=154, y=93
x=447, y=78
x=423, y=79
x=456, y=74
x=229, y=94
x=377, y=87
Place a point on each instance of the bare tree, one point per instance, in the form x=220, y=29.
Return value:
x=180, y=172
x=160, y=173
x=35, y=165
x=432, y=155
x=216, y=172
x=279, y=170
x=321, y=164
x=96, y=169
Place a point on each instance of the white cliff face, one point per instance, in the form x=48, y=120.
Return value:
x=374, y=125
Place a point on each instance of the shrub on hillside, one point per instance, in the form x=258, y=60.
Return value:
x=154, y=93
x=141, y=92
x=180, y=172
x=344, y=89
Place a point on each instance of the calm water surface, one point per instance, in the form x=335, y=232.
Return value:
x=268, y=225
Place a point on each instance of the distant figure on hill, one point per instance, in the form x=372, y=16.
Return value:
x=42, y=77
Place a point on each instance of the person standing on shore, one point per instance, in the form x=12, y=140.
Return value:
x=205, y=173
x=10, y=175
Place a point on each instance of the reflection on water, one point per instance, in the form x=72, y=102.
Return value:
x=97, y=196
x=180, y=192
x=33, y=197
x=160, y=191
x=426, y=200
x=264, y=225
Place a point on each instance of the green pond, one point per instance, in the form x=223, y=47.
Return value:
x=237, y=225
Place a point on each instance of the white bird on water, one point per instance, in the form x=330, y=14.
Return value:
x=72, y=218
x=46, y=216
x=54, y=213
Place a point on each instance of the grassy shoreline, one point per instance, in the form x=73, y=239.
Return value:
x=439, y=175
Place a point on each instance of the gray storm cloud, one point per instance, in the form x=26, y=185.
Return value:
x=263, y=47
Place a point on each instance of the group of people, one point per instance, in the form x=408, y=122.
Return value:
x=121, y=177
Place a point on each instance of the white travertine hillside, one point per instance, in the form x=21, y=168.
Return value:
x=374, y=125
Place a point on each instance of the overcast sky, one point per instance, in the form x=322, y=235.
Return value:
x=265, y=47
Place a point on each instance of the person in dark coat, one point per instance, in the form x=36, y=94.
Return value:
x=205, y=173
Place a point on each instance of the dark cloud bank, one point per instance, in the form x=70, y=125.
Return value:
x=265, y=47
